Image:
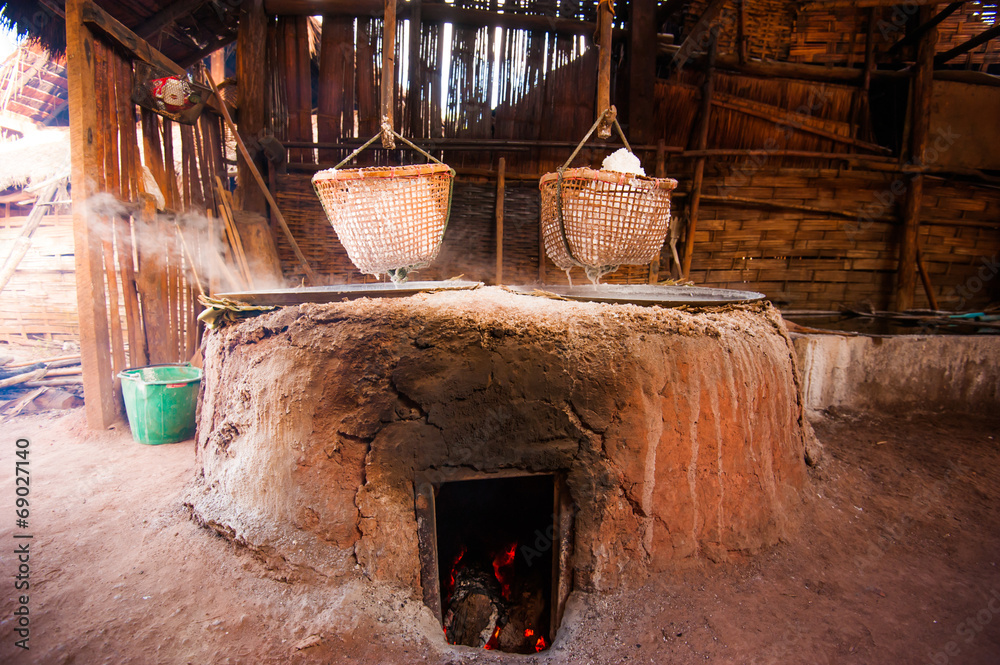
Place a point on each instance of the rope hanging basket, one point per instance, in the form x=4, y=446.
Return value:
x=391, y=220
x=600, y=220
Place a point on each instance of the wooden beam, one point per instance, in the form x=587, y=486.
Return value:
x=250, y=57
x=336, y=81
x=102, y=405
x=981, y=38
x=797, y=122
x=818, y=5
x=500, y=196
x=703, y=27
x=414, y=122
x=166, y=16
x=604, y=17
x=642, y=70
x=431, y=13
x=704, y=116
x=96, y=18
x=387, y=94
x=920, y=111
x=918, y=32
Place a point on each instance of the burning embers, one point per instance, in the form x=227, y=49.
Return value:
x=496, y=593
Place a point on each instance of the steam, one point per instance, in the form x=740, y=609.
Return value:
x=195, y=243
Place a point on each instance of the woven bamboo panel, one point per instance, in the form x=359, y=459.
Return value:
x=808, y=260
x=768, y=26
x=40, y=299
x=837, y=36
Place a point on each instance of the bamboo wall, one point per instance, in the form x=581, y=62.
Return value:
x=787, y=30
x=39, y=302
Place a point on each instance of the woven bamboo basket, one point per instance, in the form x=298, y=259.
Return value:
x=600, y=220
x=391, y=220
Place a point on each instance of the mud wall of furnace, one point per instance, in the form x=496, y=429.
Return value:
x=679, y=432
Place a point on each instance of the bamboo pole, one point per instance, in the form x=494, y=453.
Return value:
x=263, y=186
x=699, y=166
x=500, y=196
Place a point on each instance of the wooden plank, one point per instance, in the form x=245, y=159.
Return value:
x=388, y=87
x=642, y=70
x=432, y=12
x=965, y=47
x=604, y=18
x=333, y=83
x=98, y=19
x=251, y=44
x=499, y=219
x=704, y=116
x=22, y=243
x=167, y=16
x=415, y=73
x=102, y=404
x=698, y=33
x=923, y=82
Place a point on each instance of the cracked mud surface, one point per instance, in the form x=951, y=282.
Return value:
x=895, y=559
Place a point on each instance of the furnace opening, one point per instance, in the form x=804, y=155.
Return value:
x=501, y=550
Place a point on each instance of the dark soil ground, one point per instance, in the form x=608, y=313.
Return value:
x=895, y=562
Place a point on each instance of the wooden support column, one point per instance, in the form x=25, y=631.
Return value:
x=920, y=111
x=336, y=84
x=704, y=116
x=500, y=196
x=660, y=172
x=102, y=404
x=604, y=16
x=642, y=70
x=251, y=41
x=413, y=105
x=387, y=94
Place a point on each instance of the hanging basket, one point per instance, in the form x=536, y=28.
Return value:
x=600, y=220
x=391, y=220
x=173, y=96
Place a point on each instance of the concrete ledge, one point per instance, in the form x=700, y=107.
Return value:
x=954, y=373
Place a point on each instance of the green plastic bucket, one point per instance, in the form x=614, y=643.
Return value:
x=160, y=401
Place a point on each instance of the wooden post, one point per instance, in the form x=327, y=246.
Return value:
x=251, y=42
x=920, y=110
x=388, y=71
x=860, y=95
x=415, y=68
x=102, y=405
x=500, y=195
x=541, y=252
x=336, y=84
x=661, y=169
x=604, y=16
x=704, y=115
x=642, y=70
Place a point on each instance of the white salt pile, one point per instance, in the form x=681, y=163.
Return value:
x=623, y=161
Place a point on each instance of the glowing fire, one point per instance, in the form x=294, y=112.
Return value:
x=503, y=569
x=494, y=640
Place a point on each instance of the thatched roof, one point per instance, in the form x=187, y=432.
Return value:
x=182, y=29
x=40, y=155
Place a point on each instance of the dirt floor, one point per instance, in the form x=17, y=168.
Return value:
x=895, y=562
